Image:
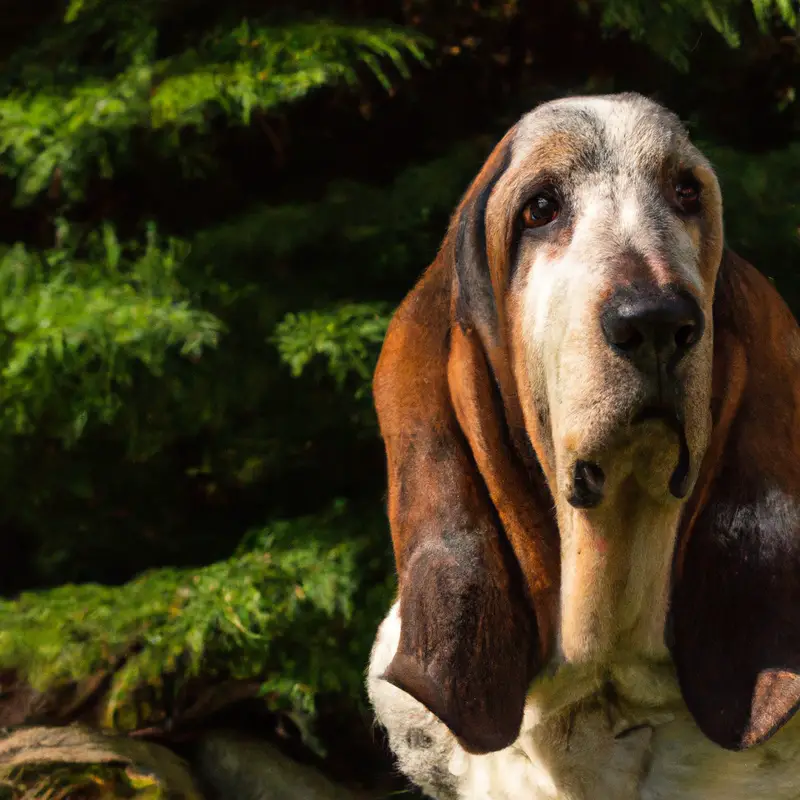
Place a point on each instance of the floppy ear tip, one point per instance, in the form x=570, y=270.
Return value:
x=477, y=734
x=773, y=700
x=408, y=675
x=776, y=700
x=737, y=741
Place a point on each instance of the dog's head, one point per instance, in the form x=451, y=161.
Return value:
x=580, y=391
x=613, y=219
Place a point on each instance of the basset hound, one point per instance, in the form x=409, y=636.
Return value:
x=591, y=413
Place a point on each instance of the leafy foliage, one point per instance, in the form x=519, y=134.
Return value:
x=345, y=337
x=767, y=10
x=279, y=610
x=72, y=326
x=672, y=28
x=762, y=209
x=64, y=130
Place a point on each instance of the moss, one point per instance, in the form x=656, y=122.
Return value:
x=294, y=608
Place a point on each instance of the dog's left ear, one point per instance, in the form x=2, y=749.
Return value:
x=734, y=627
x=473, y=534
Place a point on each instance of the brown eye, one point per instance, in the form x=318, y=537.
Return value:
x=541, y=210
x=687, y=193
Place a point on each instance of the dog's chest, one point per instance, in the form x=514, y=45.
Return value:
x=575, y=757
x=672, y=761
x=585, y=750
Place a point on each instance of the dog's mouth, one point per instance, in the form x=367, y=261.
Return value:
x=588, y=477
x=679, y=480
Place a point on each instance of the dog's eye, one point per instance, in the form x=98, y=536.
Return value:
x=687, y=193
x=541, y=210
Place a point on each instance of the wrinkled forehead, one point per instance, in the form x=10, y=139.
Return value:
x=581, y=137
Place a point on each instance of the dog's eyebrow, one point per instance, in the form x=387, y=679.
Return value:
x=555, y=151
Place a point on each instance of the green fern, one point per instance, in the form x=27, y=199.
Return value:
x=347, y=337
x=72, y=329
x=65, y=131
x=671, y=27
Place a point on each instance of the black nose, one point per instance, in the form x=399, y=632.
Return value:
x=644, y=324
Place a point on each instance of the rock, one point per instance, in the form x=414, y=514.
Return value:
x=146, y=766
x=236, y=767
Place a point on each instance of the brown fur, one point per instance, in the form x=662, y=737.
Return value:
x=469, y=647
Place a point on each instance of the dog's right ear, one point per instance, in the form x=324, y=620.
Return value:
x=475, y=581
x=735, y=611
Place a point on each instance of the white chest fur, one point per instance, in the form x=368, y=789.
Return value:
x=575, y=745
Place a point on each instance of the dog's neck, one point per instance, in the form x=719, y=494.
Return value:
x=615, y=577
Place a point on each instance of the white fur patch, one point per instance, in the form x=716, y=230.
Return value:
x=670, y=761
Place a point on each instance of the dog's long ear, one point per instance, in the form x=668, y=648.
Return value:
x=476, y=577
x=735, y=612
